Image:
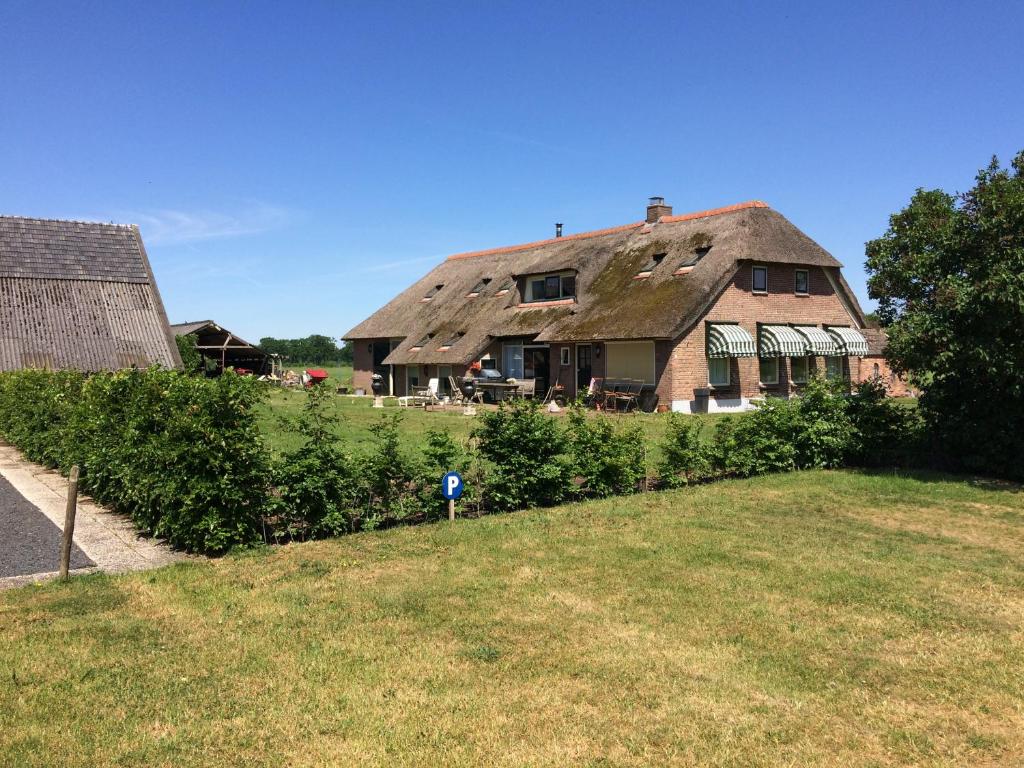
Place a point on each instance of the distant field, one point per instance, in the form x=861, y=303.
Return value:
x=808, y=619
x=340, y=375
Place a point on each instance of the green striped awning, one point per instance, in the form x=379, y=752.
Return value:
x=849, y=341
x=819, y=342
x=727, y=340
x=782, y=341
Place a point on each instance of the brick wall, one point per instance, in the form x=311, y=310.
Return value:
x=898, y=387
x=362, y=364
x=687, y=370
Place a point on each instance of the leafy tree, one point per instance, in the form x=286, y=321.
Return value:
x=316, y=349
x=949, y=279
x=191, y=359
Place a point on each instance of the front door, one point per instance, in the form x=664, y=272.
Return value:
x=584, y=367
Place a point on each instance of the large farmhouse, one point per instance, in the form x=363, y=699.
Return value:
x=708, y=309
x=79, y=295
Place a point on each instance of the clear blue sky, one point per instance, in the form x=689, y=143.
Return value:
x=295, y=165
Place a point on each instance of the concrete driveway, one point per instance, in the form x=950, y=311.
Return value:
x=32, y=501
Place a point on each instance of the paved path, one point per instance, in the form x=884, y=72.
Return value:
x=32, y=501
x=29, y=542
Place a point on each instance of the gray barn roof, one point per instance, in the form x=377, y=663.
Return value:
x=610, y=303
x=79, y=295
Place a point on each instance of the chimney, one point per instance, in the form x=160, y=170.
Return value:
x=558, y=229
x=656, y=208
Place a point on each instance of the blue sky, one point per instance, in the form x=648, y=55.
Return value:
x=294, y=166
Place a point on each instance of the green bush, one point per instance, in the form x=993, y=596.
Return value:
x=758, y=443
x=441, y=455
x=607, y=461
x=685, y=458
x=824, y=433
x=315, y=489
x=181, y=455
x=523, y=448
x=885, y=432
x=388, y=477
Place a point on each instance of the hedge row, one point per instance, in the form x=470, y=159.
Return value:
x=184, y=457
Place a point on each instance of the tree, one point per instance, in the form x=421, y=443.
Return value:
x=315, y=349
x=949, y=279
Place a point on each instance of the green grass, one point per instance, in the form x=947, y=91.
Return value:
x=357, y=416
x=340, y=375
x=819, y=618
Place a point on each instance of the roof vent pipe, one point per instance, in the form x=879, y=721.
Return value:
x=558, y=229
x=656, y=208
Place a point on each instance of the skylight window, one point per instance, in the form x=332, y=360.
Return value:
x=433, y=292
x=478, y=287
x=451, y=340
x=422, y=342
x=688, y=263
x=650, y=266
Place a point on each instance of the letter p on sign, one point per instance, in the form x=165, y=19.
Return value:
x=451, y=485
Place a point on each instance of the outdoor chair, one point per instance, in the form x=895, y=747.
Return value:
x=612, y=390
x=457, y=398
x=628, y=399
x=527, y=388
x=595, y=394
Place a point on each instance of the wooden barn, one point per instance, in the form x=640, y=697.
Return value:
x=224, y=348
x=79, y=295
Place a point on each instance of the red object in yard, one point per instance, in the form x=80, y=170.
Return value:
x=316, y=376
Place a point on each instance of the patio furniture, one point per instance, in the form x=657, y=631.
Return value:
x=595, y=394
x=499, y=389
x=527, y=388
x=628, y=399
x=457, y=398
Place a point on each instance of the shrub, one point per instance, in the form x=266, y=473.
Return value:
x=315, y=488
x=181, y=455
x=884, y=431
x=609, y=462
x=824, y=434
x=524, y=449
x=761, y=442
x=684, y=457
x=387, y=475
x=443, y=454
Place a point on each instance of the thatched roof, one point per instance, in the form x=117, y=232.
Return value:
x=79, y=295
x=876, y=339
x=610, y=302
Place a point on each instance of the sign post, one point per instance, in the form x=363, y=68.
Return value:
x=451, y=488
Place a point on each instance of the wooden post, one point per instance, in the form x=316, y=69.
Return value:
x=451, y=510
x=69, y=523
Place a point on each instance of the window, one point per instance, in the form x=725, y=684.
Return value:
x=433, y=292
x=653, y=262
x=630, y=360
x=799, y=367
x=488, y=364
x=769, y=370
x=505, y=288
x=718, y=371
x=833, y=367
x=698, y=254
x=800, y=286
x=875, y=371
x=565, y=356
x=513, y=361
x=551, y=288
x=478, y=287
x=450, y=340
x=760, y=280
x=413, y=375
x=422, y=342
x=444, y=372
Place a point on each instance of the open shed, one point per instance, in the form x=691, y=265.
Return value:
x=224, y=348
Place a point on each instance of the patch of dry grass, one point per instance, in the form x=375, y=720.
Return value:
x=819, y=618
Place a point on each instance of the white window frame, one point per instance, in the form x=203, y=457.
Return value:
x=807, y=370
x=565, y=356
x=764, y=381
x=807, y=282
x=753, y=271
x=728, y=372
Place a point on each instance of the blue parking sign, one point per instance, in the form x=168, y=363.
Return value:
x=452, y=485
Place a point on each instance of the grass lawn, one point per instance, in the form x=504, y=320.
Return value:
x=358, y=415
x=819, y=618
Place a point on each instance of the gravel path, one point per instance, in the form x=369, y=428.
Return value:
x=29, y=542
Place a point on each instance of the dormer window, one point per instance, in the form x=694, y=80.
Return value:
x=551, y=287
x=478, y=288
x=505, y=288
x=650, y=266
x=432, y=292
